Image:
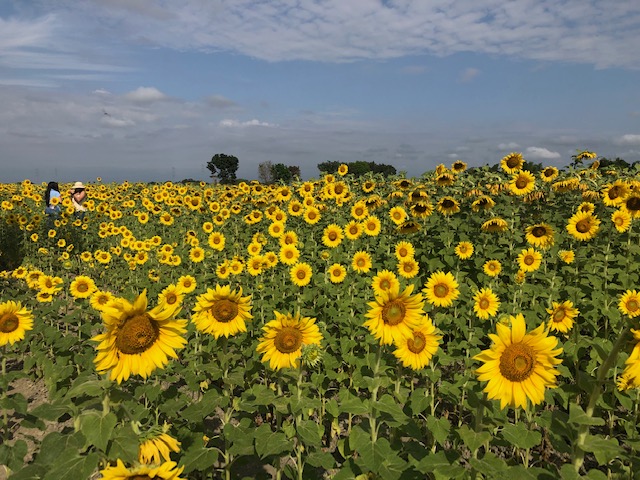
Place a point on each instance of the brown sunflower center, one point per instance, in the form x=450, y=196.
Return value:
x=633, y=204
x=9, y=322
x=513, y=162
x=171, y=298
x=447, y=203
x=632, y=305
x=517, y=362
x=539, y=231
x=619, y=221
x=441, y=290
x=301, y=274
x=224, y=310
x=417, y=343
x=419, y=208
x=288, y=340
x=137, y=334
x=385, y=284
x=361, y=262
x=408, y=267
x=332, y=236
x=559, y=315
x=614, y=192
x=484, y=303
x=82, y=287
x=548, y=172
x=521, y=182
x=393, y=312
x=528, y=260
x=583, y=226
x=140, y=477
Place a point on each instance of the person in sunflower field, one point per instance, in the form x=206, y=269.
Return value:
x=78, y=195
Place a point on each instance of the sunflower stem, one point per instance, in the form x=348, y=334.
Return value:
x=583, y=432
x=5, y=426
x=374, y=397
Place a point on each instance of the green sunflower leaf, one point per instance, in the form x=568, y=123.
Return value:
x=521, y=437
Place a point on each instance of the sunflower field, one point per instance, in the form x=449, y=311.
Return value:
x=467, y=323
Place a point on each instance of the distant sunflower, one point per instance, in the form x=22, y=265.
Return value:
x=586, y=207
x=196, y=254
x=492, y=268
x=583, y=226
x=289, y=254
x=458, y=166
x=137, y=341
x=255, y=265
x=311, y=215
x=630, y=377
x=332, y=236
x=567, y=256
x=464, y=250
x=519, y=366
x=393, y=315
x=359, y=210
x=398, y=215
x=300, y=274
x=164, y=471
x=562, y=316
x=522, y=183
x=512, y=162
x=630, y=303
x=15, y=320
x=483, y=203
x=186, y=283
x=221, y=311
x=448, y=206
x=417, y=350
x=613, y=194
x=337, y=273
x=621, y=220
x=372, y=226
x=384, y=281
x=631, y=204
x=216, y=241
x=540, y=235
x=408, y=267
x=404, y=250
x=495, y=224
x=361, y=262
x=549, y=174
x=529, y=260
x=441, y=289
x=284, y=338
x=445, y=179
x=353, y=230
x=486, y=303
x=276, y=229
x=421, y=209
x=82, y=287
x=343, y=169
x=99, y=299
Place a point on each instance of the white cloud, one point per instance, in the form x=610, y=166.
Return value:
x=110, y=121
x=508, y=146
x=145, y=95
x=249, y=123
x=628, y=139
x=539, y=153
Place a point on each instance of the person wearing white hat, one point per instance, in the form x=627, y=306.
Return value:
x=78, y=196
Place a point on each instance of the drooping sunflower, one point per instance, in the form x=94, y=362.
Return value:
x=483, y=203
x=417, y=350
x=157, y=445
x=361, y=262
x=441, y=289
x=337, y=273
x=486, y=303
x=630, y=303
x=221, y=311
x=464, y=250
x=384, y=282
x=408, y=227
x=137, y=341
x=522, y=183
x=408, y=267
x=492, y=268
x=540, y=235
x=82, y=287
x=332, y=236
x=621, y=220
x=421, y=209
x=583, y=226
x=165, y=471
x=631, y=204
x=630, y=377
x=495, y=224
x=300, y=274
x=394, y=315
x=448, y=206
x=529, y=260
x=562, y=316
x=512, y=162
x=284, y=337
x=15, y=320
x=458, y=166
x=519, y=366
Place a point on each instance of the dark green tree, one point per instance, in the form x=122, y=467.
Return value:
x=281, y=173
x=223, y=167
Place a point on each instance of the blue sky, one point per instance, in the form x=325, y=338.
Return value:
x=150, y=89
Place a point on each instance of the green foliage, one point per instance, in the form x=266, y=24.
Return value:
x=223, y=167
x=358, y=168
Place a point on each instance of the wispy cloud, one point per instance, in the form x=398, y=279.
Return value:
x=249, y=123
x=468, y=74
x=540, y=153
x=628, y=139
x=146, y=95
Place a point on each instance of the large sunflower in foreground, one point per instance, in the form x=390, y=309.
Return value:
x=562, y=315
x=583, y=226
x=222, y=311
x=441, y=289
x=137, y=341
x=631, y=204
x=15, y=320
x=165, y=471
x=630, y=377
x=284, y=337
x=417, y=350
x=519, y=366
x=393, y=315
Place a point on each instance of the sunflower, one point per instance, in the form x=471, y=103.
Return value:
x=404, y=250
x=165, y=471
x=486, y=303
x=398, y=215
x=216, y=241
x=276, y=229
x=549, y=174
x=562, y=315
x=288, y=238
x=631, y=204
x=408, y=227
x=353, y=230
x=586, y=207
x=458, y=166
x=613, y=194
x=300, y=274
x=529, y=260
x=311, y=215
x=621, y=220
x=630, y=377
x=223, y=271
x=448, y=206
x=512, y=162
x=337, y=273
x=464, y=250
x=495, y=224
x=359, y=210
x=519, y=366
x=583, y=226
x=417, y=350
x=567, y=256
x=492, y=268
x=384, y=281
x=137, y=341
x=82, y=287
x=284, y=337
x=255, y=265
x=630, y=303
x=408, y=267
x=99, y=299
x=483, y=203
x=254, y=248
x=361, y=262
x=50, y=284
x=393, y=315
x=196, y=254
x=15, y=320
x=540, y=235
x=421, y=209
x=221, y=311
x=441, y=289
x=332, y=236
x=186, y=284
x=522, y=183
x=372, y=226
x=170, y=297
x=158, y=445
